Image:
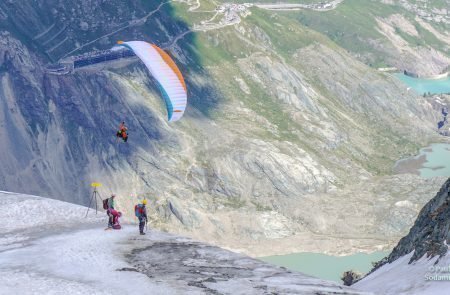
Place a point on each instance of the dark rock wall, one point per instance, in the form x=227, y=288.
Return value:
x=430, y=232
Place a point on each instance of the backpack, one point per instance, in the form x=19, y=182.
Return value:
x=139, y=210
x=105, y=204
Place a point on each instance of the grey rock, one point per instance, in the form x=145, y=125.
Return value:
x=84, y=26
x=430, y=233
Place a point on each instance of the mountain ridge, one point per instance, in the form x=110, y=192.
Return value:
x=268, y=126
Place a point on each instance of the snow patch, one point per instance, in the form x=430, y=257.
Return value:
x=405, y=204
x=401, y=278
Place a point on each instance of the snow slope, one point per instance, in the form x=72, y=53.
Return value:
x=422, y=277
x=24, y=218
x=83, y=262
x=48, y=247
x=20, y=212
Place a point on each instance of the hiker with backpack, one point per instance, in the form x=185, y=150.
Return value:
x=141, y=213
x=111, y=202
x=108, y=205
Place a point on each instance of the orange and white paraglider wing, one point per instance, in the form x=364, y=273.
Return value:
x=166, y=72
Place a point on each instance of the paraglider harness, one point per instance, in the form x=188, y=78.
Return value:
x=122, y=134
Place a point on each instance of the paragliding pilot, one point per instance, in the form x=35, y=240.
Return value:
x=141, y=213
x=122, y=132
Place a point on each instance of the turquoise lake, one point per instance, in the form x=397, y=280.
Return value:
x=422, y=86
x=431, y=161
x=325, y=266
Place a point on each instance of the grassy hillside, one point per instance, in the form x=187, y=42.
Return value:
x=354, y=26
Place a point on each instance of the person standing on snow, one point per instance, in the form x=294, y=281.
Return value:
x=111, y=201
x=141, y=213
x=110, y=208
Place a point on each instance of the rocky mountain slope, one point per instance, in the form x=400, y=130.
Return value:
x=57, y=251
x=430, y=232
x=280, y=119
x=419, y=262
x=406, y=34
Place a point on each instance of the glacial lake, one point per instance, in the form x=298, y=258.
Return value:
x=325, y=266
x=422, y=86
x=431, y=161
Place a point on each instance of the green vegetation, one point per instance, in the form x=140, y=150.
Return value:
x=353, y=26
x=234, y=202
x=206, y=11
x=373, y=145
x=260, y=207
x=429, y=39
x=281, y=31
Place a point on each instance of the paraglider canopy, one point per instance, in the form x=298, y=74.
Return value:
x=166, y=73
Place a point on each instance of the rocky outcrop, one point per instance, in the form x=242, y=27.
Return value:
x=349, y=277
x=419, y=262
x=193, y=266
x=431, y=231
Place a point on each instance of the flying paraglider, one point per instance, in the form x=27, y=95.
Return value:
x=122, y=132
x=166, y=73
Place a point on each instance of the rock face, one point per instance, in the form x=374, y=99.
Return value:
x=431, y=231
x=196, y=267
x=423, y=60
x=349, y=277
x=419, y=262
x=271, y=130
